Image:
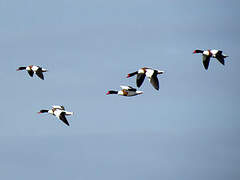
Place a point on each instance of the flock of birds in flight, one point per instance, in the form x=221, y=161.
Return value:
x=151, y=74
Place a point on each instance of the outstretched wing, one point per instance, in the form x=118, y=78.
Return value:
x=63, y=118
x=220, y=57
x=140, y=79
x=154, y=81
x=39, y=73
x=206, y=60
x=30, y=72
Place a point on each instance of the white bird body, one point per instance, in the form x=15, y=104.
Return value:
x=126, y=91
x=129, y=93
x=57, y=112
x=33, y=68
x=149, y=73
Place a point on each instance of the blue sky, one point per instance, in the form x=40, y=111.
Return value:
x=187, y=130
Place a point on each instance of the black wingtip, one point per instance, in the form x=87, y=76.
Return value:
x=205, y=65
x=157, y=88
x=41, y=77
x=66, y=123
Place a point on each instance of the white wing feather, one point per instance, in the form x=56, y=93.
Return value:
x=58, y=107
x=125, y=87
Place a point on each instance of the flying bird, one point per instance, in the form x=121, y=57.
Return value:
x=59, y=112
x=34, y=69
x=126, y=91
x=207, y=54
x=151, y=75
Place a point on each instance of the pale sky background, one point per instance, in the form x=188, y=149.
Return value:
x=189, y=130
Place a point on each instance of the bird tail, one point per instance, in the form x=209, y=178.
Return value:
x=68, y=113
x=139, y=92
x=160, y=72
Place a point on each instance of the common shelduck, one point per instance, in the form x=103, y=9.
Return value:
x=207, y=54
x=126, y=91
x=59, y=112
x=151, y=75
x=34, y=69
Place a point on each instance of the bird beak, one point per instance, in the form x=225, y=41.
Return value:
x=39, y=112
x=128, y=76
x=107, y=93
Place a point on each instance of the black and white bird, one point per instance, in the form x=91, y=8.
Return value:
x=151, y=75
x=126, y=91
x=207, y=54
x=34, y=69
x=59, y=112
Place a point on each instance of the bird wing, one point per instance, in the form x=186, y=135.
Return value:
x=220, y=57
x=58, y=107
x=39, y=73
x=129, y=88
x=132, y=89
x=140, y=79
x=219, y=52
x=154, y=81
x=206, y=60
x=30, y=72
x=63, y=118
